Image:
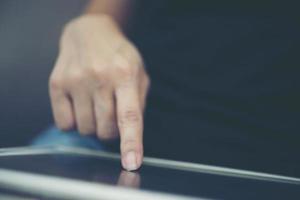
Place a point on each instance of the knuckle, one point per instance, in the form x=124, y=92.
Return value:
x=132, y=143
x=128, y=143
x=99, y=74
x=125, y=69
x=129, y=117
x=75, y=76
x=97, y=71
x=55, y=83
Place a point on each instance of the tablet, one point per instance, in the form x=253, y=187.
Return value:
x=75, y=173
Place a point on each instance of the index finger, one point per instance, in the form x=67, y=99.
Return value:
x=130, y=123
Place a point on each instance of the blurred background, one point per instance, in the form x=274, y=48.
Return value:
x=29, y=34
x=259, y=134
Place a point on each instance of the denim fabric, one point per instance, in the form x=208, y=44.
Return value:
x=55, y=137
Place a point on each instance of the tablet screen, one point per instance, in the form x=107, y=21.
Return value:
x=156, y=175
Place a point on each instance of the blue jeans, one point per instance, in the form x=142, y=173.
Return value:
x=55, y=137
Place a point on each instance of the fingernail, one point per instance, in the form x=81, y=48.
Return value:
x=131, y=161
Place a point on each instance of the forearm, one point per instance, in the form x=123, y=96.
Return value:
x=118, y=10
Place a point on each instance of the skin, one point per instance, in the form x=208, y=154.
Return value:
x=99, y=83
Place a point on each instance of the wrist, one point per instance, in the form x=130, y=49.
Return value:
x=101, y=20
x=95, y=21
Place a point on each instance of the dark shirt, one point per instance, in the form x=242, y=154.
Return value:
x=225, y=81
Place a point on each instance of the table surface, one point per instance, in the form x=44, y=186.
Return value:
x=53, y=167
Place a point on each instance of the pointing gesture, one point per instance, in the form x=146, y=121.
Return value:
x=99, y=85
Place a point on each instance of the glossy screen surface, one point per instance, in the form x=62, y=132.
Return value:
x=103, y=169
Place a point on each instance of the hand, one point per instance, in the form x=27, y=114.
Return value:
x=99, y=85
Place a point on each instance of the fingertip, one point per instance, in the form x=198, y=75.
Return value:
x=131, y=160
x=65, y=124
x=62, y=111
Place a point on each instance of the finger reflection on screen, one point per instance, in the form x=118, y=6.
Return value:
x=129, y=179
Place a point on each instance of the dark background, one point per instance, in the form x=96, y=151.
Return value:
x=260, y=136
x=29, y=34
